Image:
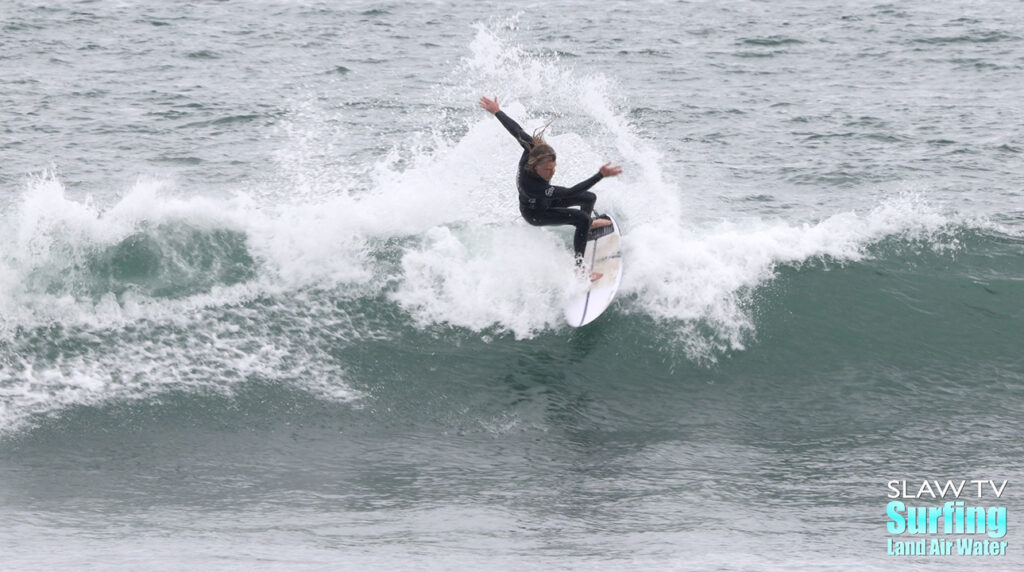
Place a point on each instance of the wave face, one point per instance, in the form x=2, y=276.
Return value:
x=314, y=308
x=159, y=285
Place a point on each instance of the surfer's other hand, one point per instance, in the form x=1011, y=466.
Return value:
x=609, y=170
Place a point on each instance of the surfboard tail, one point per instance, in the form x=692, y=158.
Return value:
x=604, y=256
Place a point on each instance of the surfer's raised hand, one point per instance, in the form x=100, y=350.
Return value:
x=609, y=170
x=490, y=105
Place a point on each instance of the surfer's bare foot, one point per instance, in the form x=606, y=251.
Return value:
x=595, y=276
x=598, y=223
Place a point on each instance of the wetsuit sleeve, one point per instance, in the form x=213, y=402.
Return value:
x=516, y=130
x=559, y=192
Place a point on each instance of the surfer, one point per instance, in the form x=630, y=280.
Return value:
x=542, y=203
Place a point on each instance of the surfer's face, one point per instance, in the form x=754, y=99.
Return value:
x=546, y=170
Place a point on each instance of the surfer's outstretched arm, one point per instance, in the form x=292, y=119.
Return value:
x=510, y=124
x=557, y=192
x=607, y=170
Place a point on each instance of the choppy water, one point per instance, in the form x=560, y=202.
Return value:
x=265, y=299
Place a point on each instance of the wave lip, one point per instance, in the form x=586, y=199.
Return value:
x=171, y=260
x=700, y=282
x=146, y=245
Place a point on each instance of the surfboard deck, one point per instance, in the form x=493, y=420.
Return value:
x=604, y=255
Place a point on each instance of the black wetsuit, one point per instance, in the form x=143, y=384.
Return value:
x=542, y=203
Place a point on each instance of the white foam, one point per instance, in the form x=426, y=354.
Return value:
x=507, y=277
x=142, y=346
x=204, y=350
x=705, y=272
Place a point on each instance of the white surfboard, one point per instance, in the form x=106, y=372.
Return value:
x=604, y=255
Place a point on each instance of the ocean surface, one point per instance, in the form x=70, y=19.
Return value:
x=266, y=301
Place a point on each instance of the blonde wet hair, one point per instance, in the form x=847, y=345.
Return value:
x=541, y=152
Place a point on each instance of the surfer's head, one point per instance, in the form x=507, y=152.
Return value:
x=542, y=161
